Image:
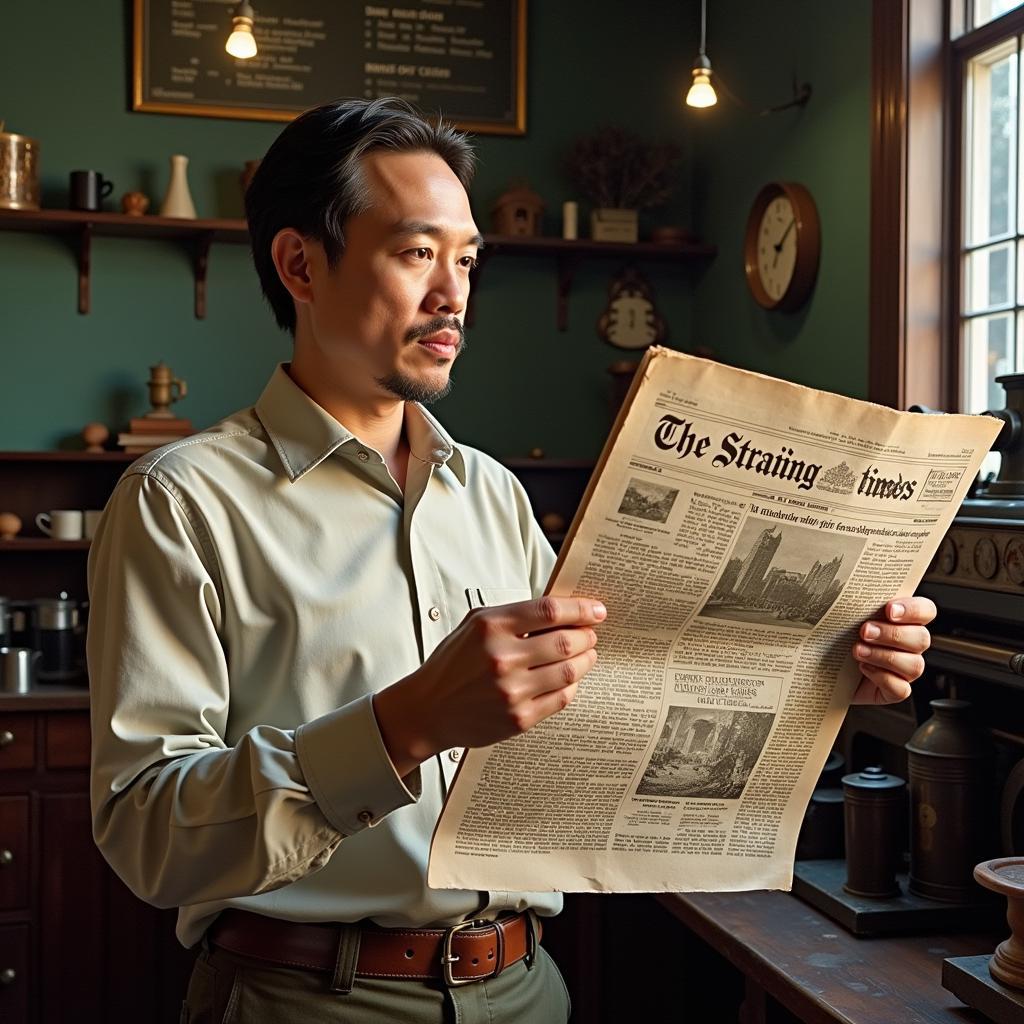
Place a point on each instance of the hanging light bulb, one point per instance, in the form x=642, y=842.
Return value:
x=242, y=43
x=702, y=92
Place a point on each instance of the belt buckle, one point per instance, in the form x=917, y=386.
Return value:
x=448, y=958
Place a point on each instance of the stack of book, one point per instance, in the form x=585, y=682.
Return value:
x=148, y=432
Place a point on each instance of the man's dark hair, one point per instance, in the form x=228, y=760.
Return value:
x=310, y=179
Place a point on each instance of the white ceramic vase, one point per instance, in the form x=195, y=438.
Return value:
x=178, y=200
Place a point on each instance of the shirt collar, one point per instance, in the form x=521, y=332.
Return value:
x=304, y=434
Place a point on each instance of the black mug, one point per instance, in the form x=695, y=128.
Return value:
x=89, y=189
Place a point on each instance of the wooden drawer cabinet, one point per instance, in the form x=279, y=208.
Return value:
x=17, y=742
x=77, y=944
x=14, y=842
x=14, y=980
x=67, y=739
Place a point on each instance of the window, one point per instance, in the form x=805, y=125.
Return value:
x=985, y=11
x=990, y=220
x=991, y=302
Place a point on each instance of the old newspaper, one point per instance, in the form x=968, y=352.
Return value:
x=739, y=529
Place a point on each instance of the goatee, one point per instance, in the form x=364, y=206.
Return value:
x=424, y=392
x=410, y=390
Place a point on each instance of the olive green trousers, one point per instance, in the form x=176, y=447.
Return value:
x=229, y=989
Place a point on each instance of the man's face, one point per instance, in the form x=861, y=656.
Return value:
x=387, y=319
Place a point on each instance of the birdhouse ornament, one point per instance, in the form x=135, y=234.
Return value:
x=518, y=211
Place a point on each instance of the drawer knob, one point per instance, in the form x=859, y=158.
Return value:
x=7, y=976
x=6, y=857
x=6, y=738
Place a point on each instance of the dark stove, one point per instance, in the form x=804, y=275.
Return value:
x=977, y=581
x=977, y=576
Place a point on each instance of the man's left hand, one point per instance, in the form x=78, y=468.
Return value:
x=889, y=652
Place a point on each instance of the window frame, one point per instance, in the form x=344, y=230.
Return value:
x=962, y=50
x=908, y=359
x=915, y=351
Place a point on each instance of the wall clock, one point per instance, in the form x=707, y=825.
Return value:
x=630, y=320
x=781, y=246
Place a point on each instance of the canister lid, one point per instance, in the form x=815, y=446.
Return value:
x=873, y=777
x=16, y=138
x=951, y=732
x=827, y=796
x=832, y=772
x=56, y=612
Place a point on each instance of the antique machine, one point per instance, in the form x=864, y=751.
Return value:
x=959, y=741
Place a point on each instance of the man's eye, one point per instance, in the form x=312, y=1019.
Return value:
x=420, y=254
x=470, y=262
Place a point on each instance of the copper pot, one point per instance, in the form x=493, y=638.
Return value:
x=19, y=172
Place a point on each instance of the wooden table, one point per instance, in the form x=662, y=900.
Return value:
x=792, y=954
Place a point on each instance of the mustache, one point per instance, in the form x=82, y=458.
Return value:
x=439, y=323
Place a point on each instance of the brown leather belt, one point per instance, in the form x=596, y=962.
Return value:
x=461, y=954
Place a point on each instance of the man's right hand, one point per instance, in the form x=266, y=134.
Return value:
x=503, y=670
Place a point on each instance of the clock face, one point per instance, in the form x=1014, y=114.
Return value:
x=631, y=322
x=781, y=246
x=777, y=247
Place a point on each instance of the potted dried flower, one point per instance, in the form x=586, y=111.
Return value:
x=621, y=174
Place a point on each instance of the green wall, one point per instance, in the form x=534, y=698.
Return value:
x=521, y=383
x=758, y=48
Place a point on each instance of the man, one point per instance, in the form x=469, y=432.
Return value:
x=284, y=661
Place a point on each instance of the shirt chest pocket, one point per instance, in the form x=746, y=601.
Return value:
x=488, y=597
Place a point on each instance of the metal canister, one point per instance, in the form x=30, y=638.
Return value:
x=952, y=810
x=55, y=630
x=19, y=172
x=831, y=776
x=821, y=834
x=21, y=623
x=5, y=622
x=875, y=812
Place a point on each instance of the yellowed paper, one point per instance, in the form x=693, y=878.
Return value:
x=739, y=529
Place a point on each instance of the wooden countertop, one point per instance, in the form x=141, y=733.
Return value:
x=821, y=972
x=47, y=698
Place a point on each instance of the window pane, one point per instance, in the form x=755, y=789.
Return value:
x=988, y=278
x=988, y=10
x=988, y=352
x=991, y=135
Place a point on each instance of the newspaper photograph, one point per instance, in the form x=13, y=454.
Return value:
x=738, y=529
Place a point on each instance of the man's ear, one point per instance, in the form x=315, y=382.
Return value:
x=292, y=255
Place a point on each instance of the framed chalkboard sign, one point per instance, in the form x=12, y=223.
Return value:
x=464, y=60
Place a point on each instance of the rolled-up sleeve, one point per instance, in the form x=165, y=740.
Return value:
x=182, y=816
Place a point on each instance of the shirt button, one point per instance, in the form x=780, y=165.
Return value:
x=455, y=754
x=434, y=613
x=366, y=817
x=362, y=456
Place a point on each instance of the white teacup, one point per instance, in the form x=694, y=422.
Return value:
x=61, y=524
x=91, y=518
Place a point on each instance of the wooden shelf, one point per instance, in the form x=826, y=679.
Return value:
x=520, y=245
x=43, y=544
x=570, y=252
x=48, y=697
x=552, y=464
x=121, y=225
x=60, y=456
x=81, y=227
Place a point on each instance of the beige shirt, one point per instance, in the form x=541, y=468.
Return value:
x=251, y=588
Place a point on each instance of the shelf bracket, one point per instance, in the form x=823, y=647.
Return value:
x=474, y=284
x=566, y=272
x=202, y=262
x=84, y=267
